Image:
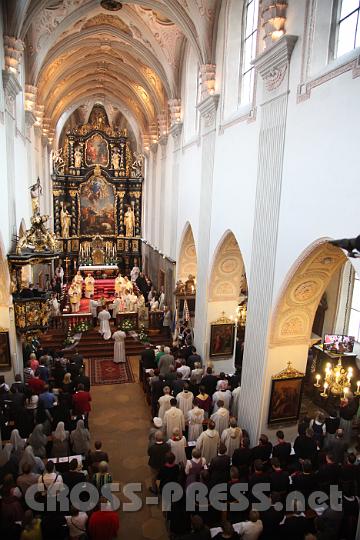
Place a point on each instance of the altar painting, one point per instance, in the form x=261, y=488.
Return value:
x=96, y=151
x=97, y=207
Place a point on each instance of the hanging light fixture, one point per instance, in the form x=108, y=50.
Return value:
x=337, y=380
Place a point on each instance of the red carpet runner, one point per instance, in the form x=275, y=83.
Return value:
x=105, y=371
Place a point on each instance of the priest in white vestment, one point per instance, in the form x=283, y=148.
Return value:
x=185, y=401
x=224, y=396
x=173, y=418
x=93, y=305
x=135, y=273
x=221, y=418
x=119, y=346
x=235, y=401
x=132, y=302
x=164, y=402
x=232, y=437
x=196, y=418
x=208, y=442
x=104, y=319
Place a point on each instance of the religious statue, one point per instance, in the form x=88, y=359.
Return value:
x=35, y=192
x=65, y=220
x=190, y=285
x=115, y=159
x=89, y=286
x=137, y=166
x=58, y=161
x=129, y=220
x=78, y=157
x=38, y=237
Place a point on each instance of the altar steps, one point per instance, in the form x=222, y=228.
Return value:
x=93, y=346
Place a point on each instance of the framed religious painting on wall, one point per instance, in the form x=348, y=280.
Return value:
x=286, y=396
x=222, y=336
x=5, y=360
x=96, y=151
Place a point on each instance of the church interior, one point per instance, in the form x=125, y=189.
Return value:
x=179, y=292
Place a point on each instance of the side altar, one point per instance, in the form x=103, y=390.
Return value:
x=97, y=196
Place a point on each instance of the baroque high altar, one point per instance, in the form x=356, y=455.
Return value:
x=97, y=190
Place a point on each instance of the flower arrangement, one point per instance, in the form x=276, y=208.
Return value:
x=69, y=340
x=83, y=326
x=143, y=337
x=127, y=325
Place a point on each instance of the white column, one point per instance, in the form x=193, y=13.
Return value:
x=153, y=207
x=163, y=140
x=208, y=109
x=175, y=132
x=273, y=66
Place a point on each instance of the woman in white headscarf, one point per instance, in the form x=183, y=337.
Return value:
x=15, y=448
x=60, y=441
x=36, y=464
x=38, y=440
x=80, y=439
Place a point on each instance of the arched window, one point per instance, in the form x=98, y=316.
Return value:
x=347, y=31
x=249, y=42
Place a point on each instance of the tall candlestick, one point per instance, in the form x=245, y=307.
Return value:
x=317, y=377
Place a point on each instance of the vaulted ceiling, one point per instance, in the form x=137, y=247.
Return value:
x=78, y=52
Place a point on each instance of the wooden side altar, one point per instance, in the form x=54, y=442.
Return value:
x=97, y=193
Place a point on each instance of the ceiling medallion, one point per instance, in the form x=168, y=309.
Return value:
x=111, y=5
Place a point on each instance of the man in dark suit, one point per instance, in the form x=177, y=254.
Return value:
x=72, y=477
x=84, y=380
x=271, y=519
x=219, y=468
x=279, y=479
x=209, y=381
x=262, y=450
x=147, y=360
x=193, y=358
x=282, y=449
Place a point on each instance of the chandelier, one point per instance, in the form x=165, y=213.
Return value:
x=337, y=380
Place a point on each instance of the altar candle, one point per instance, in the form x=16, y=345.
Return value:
x=345, y=391
x=317, y=377
x=326, y=386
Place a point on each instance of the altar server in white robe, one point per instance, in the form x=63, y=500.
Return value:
x=93, y=305
x=185, y=401
x=116, y=306
x=164, y=402
x=196, y=418
x=119, y=346
x=173, y=418
x=231, y=437
x=104, y=318
x=177, y=445
x=221, y=418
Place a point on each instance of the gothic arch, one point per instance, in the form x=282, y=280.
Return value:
x=227, y=270
x=187, y=259
x=294, y=312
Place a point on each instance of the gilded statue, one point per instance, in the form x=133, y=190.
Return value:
x=35, y=192
x=115, y=159
x=129, y=220
x=137, y=166
x=58, y=161
x=38, y=237
x=65, y=220
x=78, y=155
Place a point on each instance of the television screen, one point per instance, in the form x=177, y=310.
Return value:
x=339, y=344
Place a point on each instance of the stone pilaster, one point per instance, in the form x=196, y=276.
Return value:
x=163, y=140
x=208, y=110
x=153, y=202
x=273, y=66
x=175, y=132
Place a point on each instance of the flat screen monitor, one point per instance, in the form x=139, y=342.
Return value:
x=339, y=344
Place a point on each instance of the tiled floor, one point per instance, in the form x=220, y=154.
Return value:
x=121, y=420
